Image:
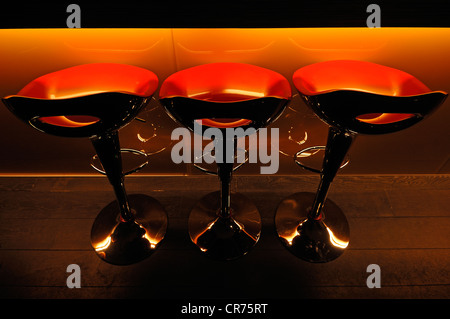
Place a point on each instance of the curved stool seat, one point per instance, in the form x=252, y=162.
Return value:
x=364, y=97
x=225, y=225
x=94, y=101
x=352, y=97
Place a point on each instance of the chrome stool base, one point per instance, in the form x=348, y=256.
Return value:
x=316, y=241
x=224, y=238
x=124, y=243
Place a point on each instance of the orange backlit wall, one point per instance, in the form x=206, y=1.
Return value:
x=29, y=53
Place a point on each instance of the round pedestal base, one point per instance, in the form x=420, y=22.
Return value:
x=124, y=243
x=224, y=238
x=312, y=240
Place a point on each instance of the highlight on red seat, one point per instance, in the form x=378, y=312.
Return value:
x=70, y=120
x=224, y=123
x=237, y=82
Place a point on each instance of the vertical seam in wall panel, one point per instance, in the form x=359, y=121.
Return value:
x=175, y=60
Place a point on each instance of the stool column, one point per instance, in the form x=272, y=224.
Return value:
x=107, y=147
x=338, y=144
x=225, y=173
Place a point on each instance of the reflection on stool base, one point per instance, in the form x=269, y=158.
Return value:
x=124, y=243
x=224, y=238
x=312, y=240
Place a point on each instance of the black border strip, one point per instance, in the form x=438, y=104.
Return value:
x=224, y=14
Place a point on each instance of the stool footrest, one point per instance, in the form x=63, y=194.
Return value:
x=122, y=150
x=315, y=149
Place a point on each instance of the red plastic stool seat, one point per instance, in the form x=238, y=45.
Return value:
x=351, y=97
x=226, y=95
x=225, y=225
x=94, y=101
x=365, y=97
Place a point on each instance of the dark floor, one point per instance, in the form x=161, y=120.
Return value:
x=401, y=223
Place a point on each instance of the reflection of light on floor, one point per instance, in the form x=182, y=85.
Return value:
x=103, y=245
x=204, y=231
x=242, y=228
x=295, y=233
x=336, y=241
x=152, y=241
x=333, y=239
x=291, y=237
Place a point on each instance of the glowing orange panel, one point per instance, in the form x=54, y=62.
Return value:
x=89, y=79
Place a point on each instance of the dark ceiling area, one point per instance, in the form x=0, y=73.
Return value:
x=231, y=13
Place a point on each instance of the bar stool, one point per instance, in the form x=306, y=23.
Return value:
x=223, y=224
x=352, y=97
x=95, y=101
